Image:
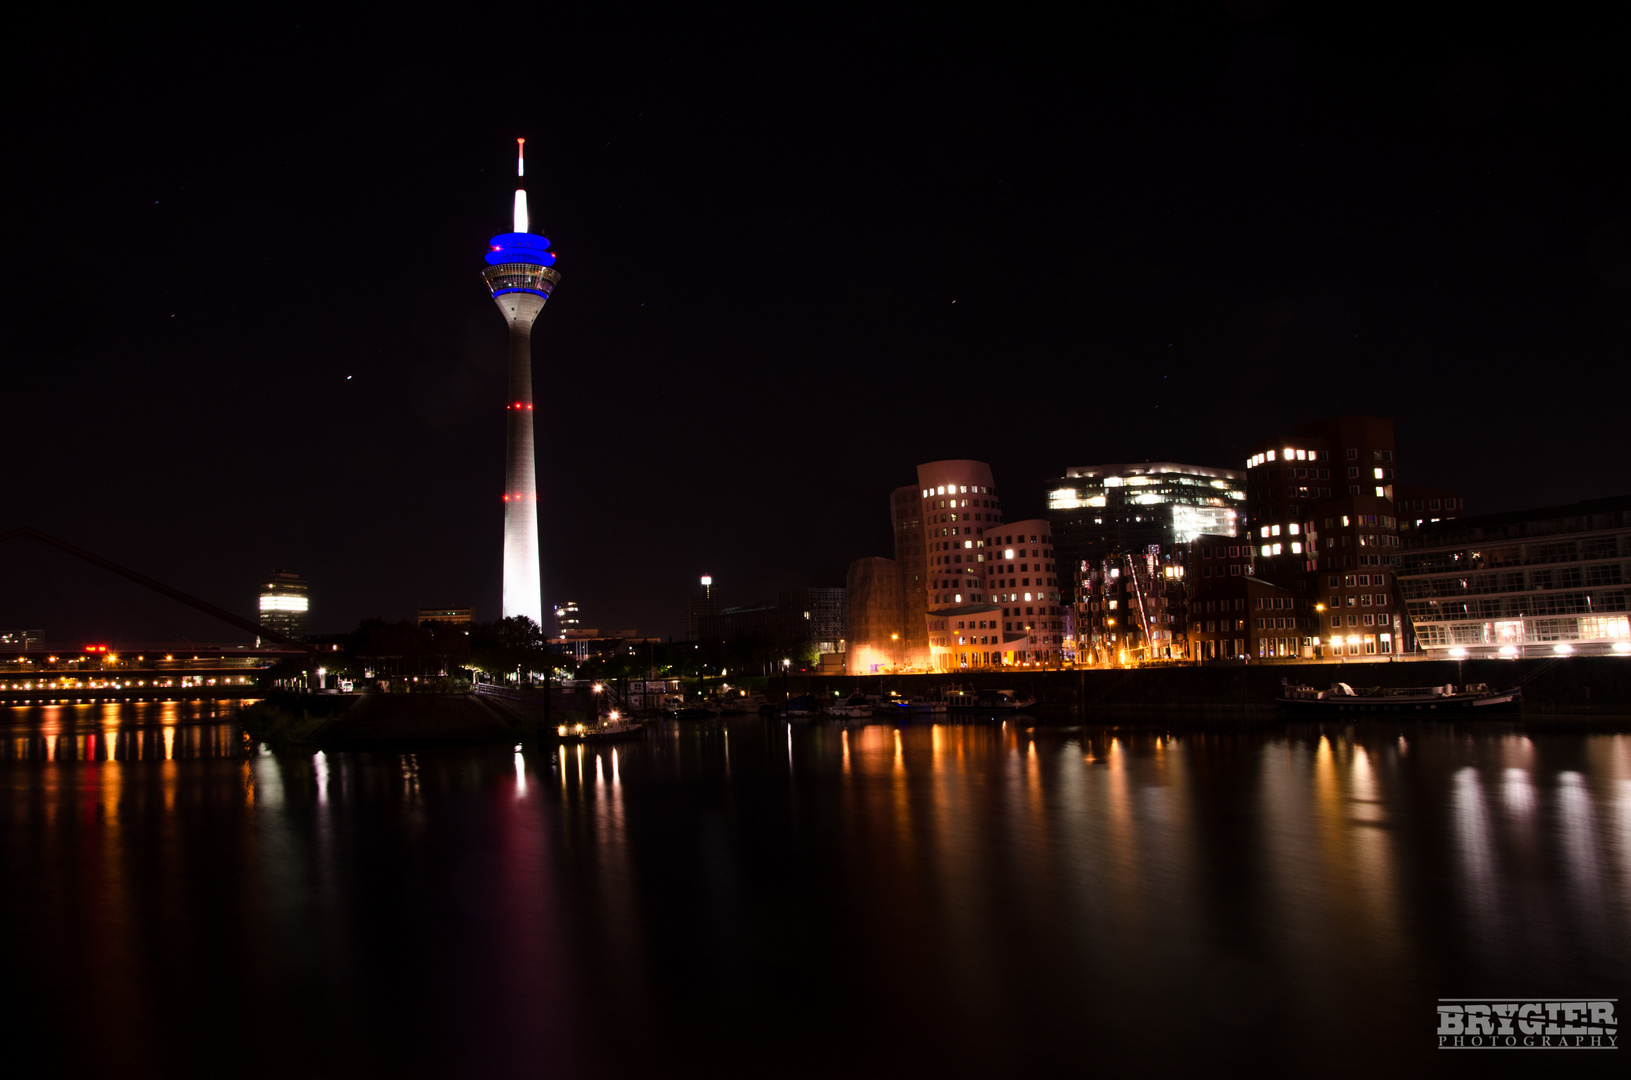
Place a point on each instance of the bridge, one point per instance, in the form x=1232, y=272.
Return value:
x=33, y=670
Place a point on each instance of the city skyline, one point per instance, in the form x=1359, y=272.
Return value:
x=1157, y=258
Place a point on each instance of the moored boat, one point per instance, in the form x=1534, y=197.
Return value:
x=801, y=707
x=1473, y=698
x=610, y=727
x=855, y=707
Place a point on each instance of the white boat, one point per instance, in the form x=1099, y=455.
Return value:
x=921, y=704
x=612, y=727
x=743, y=701
x=854, y=707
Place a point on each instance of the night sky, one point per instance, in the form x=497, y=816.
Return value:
x=243, y=325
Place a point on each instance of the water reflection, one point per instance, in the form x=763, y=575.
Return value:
x=120, y=731
x=713, y=890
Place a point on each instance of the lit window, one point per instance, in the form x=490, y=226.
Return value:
x=1265, y=530
x=1291, y=455
x=1277, y=549
x=1302, y=455
x=1266, y=550
x=1378, y=493
x=1292, y=528
x=1274, y=530
x=1296, y=548
x=1378, y=473
x=1270, y=455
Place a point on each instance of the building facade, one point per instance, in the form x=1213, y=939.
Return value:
x=875, y=617
x=1550, y=581
x=455, y=616
x=1321, y=515
x=1245, y=617
x=1420, y=506
x=911, y=561
x=1133, y=607
x=822, y=612
x=800, y=620
x=1023, y=579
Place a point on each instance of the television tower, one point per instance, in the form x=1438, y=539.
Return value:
x=519, y=275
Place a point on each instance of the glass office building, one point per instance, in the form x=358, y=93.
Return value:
x=1544, y=582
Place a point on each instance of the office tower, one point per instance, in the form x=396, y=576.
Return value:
x=283, y=604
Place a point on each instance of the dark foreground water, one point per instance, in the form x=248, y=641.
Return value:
x=950, y=900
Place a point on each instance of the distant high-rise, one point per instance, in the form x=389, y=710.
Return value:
x=520, y=276
x=702, y=606
x=283, y=604
x=568, y=618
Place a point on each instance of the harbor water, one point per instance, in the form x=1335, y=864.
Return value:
x=966, y=898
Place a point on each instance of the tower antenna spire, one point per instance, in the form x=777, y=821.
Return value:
x=520, y=192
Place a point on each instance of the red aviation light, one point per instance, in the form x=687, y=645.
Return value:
x=96, y=648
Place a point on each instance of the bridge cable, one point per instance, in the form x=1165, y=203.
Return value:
x=147, y=613
x=63, y=610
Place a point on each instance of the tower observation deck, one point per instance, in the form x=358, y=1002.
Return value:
x=520, y=276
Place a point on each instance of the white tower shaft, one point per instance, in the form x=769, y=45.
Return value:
x=523, y=583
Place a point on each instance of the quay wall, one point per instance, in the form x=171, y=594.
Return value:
x=1563, y=685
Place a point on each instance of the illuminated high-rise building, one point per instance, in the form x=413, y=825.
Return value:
x=519, y=273
x=283, y=604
